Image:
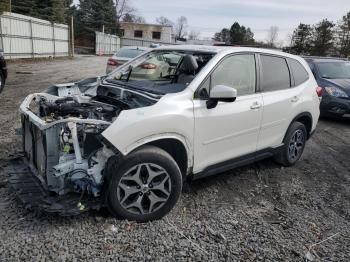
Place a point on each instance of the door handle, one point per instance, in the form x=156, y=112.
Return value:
x=255, y=106
x=294, y=99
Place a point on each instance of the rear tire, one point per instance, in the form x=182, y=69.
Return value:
x=144, y=186
x=294, y=144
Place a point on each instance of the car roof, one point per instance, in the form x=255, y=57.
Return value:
x=324, y=59
x=225, y=49
x=136, y=47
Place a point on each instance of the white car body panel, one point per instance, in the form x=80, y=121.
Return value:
x=214, y=135
x=171, y=117
x=225, y=132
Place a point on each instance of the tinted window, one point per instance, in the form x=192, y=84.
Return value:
x=129, y=53
x=299, y=73
x=275, y=73
x=237, y=71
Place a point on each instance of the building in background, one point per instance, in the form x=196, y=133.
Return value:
x=149, y=32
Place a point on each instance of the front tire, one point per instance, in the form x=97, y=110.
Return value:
x=2, y=82
x=145, y=186
x=294, y=144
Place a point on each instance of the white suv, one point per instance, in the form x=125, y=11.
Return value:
x=130, y=139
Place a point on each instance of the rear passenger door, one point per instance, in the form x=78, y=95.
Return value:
x=282, y=97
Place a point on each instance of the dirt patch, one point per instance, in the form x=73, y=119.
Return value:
x=259, y=212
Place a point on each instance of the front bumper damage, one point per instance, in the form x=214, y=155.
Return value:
x=63, y=179
x=32, y=194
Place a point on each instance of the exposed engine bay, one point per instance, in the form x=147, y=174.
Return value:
x=62, y=133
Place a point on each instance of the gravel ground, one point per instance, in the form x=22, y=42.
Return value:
x=259, y=212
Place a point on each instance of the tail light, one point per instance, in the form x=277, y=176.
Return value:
x=112, y=62
x=148, y=66
x=319, y=91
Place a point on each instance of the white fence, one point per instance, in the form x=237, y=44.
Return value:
x=106, y=44
x=141, y=42
x=109, y=44
x=27, y=37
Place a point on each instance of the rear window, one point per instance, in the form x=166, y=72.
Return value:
x=299, y=73
x=275, y=73
x=129, y=53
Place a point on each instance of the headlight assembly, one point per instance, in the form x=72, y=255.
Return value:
x=336, y=92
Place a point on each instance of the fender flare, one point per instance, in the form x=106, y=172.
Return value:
x=153, y=138
x=307, y=114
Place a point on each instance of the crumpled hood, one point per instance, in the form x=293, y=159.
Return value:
x=86, y=86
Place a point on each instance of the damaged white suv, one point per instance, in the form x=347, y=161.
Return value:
x=128, y=140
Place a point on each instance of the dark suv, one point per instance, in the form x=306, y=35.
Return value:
x=333, y=75
x=3, y=70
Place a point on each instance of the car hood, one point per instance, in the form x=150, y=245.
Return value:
x=342, y=83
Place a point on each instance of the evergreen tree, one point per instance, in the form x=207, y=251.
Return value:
x=24, y=7
x=344, y=36
x=323, y=38
x=223, y=36
x=301, y=40
x=43, y=9
x=93, y=15
x=236, y=35
x=240, y=35
x=58, y=11
x=51, y=10
x=4, y=6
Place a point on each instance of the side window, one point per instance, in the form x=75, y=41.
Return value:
x=299, y=73
x=237, y=71
x=275, y=73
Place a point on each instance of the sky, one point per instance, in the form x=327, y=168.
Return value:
x=210, y=16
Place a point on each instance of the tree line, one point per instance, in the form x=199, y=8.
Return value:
x=52, y=10
x=241, y=35
x=325, y=38
x=91, y=15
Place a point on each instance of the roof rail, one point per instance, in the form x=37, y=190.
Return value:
x=326, y=57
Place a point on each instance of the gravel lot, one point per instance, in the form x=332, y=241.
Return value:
x=260, y=212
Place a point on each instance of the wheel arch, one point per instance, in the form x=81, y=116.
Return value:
x=175, y=145
x=304, y=118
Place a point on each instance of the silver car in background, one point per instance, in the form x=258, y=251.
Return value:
x=125, y=54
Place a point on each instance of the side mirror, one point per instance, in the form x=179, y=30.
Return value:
x=221, y=93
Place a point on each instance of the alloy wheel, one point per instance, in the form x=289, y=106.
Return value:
x=296, y=145
x=144, y=189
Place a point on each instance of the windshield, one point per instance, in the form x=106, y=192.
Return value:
x=129, y=53
x=162, y=71
x=334, y=70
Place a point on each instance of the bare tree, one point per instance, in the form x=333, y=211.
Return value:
x=131, y=18
x=181, y=27
x=124, y=8
x=272, y=36
x=162, y=20
x=193, y=35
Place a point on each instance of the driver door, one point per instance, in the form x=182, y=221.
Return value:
x=229, y=130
